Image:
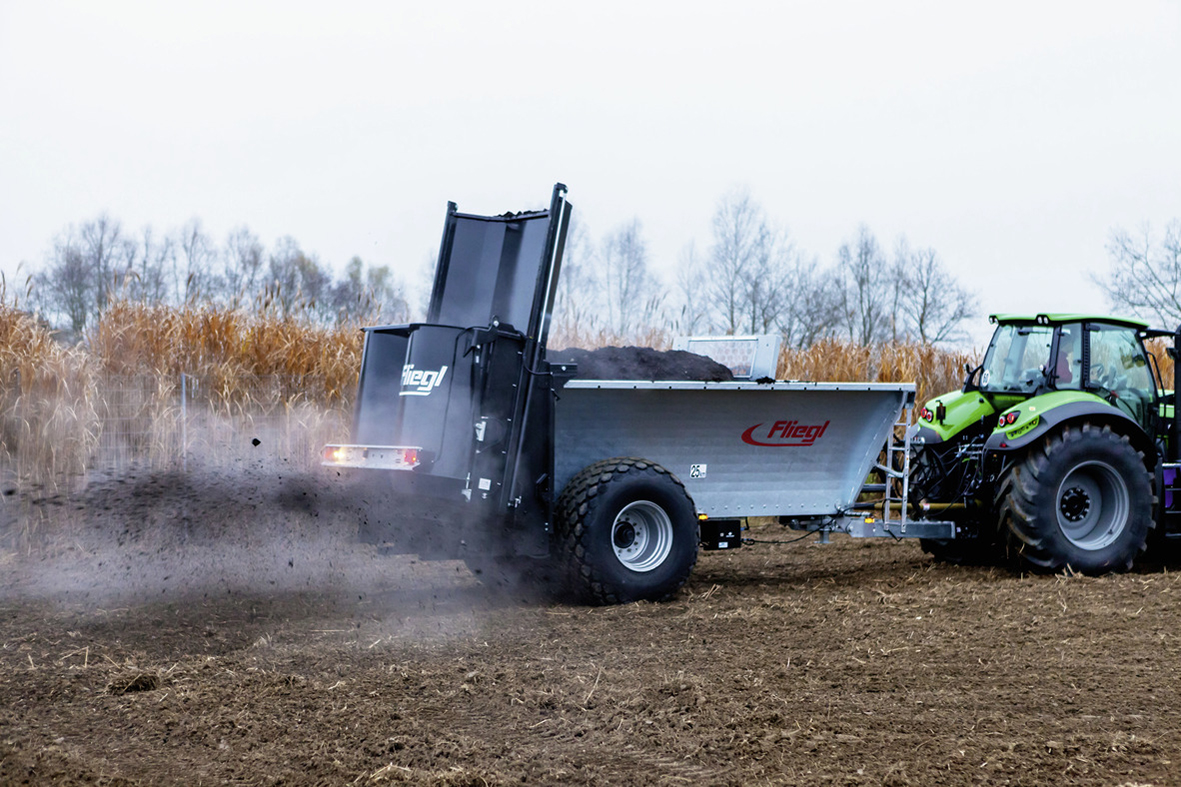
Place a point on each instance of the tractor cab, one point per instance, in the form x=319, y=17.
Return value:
x=1040, y=370
x=1100, y=357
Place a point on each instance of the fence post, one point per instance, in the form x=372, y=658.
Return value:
x=184, y=423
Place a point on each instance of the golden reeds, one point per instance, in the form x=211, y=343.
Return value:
x=932, y=369
x=227, y=350
x=1158, y=349
x=47, y=399
x=117, y=397
x=63, y=409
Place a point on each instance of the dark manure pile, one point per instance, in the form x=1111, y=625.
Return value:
x=640, y=363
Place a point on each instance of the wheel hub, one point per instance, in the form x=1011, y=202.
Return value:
x=1093, y=505
x=625, y=535
x=642, y=536
x=1075, y=504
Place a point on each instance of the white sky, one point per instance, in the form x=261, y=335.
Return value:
x=1012, y=137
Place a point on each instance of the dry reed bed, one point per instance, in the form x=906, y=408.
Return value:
x=228, y=349
x=933, y=370
x=48, y=402
x=64, y=409
x=1158, y=349
x=117, y=397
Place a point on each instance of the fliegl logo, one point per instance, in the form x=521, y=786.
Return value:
x=784, y=434
x=419, y=381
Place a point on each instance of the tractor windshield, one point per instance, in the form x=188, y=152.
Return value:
x=1017, y=359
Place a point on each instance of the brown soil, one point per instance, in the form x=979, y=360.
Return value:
x=202, y=629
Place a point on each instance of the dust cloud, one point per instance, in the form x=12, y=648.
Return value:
x=236, y=522
x=239, y=516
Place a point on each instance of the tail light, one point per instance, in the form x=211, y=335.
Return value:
x=380, y=457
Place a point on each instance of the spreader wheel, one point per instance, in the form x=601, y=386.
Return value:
x=627, y=531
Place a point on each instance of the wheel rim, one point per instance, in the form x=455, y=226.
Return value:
x=642, y=536
x=1093, y=505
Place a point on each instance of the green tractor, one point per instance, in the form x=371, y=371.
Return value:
x=1059, y=453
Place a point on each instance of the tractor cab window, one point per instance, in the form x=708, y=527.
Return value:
x=1017, y=359
x=1068, y=366
x=1119, y=370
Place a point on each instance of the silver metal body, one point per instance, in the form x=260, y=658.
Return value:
x=798, y=450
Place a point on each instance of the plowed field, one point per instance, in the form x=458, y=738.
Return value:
x=209, y=629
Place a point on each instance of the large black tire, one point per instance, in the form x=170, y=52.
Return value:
x=1081, y=500
x=627, y=531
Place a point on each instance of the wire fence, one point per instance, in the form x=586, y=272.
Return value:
x=108, y=423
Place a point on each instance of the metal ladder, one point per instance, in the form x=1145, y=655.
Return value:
x=895, y=446
x=893, y=521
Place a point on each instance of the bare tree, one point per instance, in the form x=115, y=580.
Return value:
x=1145, y=275
x=420, y=284
x=149, y=260
x=193, y=271
x=370, y=293
x=767, y=283
x=82, y=271
x=750, y=268
x=897, y=282
x=66, y=288
x=864, y=276
x=101, y=243
x=577, y=305
x=692, y=287
x=243, y=257
x=738, y=226
x=934, y=305
x=297, y=280
x=388, y=293
x=89, y=263
x=633, y=298
x=811, y=306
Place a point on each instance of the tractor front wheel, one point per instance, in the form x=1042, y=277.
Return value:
x=1082, y=500
x=627, y=531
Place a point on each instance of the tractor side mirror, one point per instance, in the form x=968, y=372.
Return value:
x=969, y=373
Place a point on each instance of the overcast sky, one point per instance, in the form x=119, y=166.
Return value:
x=1010, y=137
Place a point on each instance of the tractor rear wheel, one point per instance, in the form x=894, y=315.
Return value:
x=627, y=531
x=1081, y=500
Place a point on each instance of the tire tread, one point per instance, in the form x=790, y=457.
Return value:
x=1021, y=518
x=577, y=504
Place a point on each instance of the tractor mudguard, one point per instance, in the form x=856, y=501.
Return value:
x=1040, y=415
